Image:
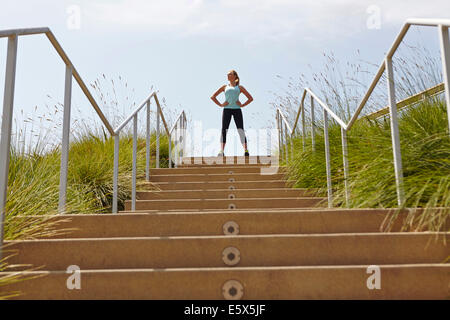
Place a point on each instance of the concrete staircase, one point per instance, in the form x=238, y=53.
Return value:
x=228, y=230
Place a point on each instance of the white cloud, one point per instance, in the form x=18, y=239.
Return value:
x=252, y=20
x=256, y=20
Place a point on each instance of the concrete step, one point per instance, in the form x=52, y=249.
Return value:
x=241, y=250
x=209, y=170
x=293, y=202
x=199, y=185
x=228, y=165
x=216, y=223
x=261, y=160
x=421, y=281
x=224, y=194
x=215, y=177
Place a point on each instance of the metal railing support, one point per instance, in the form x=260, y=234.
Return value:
x=116, y=172
x=327, y=159
x=395, y=132
x=313, y=135
x=303, y=125
x=286, y=142
x=291, y=141
x=147, y=142
x=169, y=137
x=279, y=136
x=5, y=142
x=158, y=117
x=184, y=135
x=65, y=141
x=282, y=138
x=133, y=183
x=345, y=162
x=175, y=146
x=445, y=57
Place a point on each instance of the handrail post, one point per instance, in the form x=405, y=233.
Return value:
x=345, y=161
x=116, y=172
x=395, y=132
x=133, y=183
x=327, y=158
x=283, y=154
x=178, y=140
x=279, y=139
x=147, y=143
x=291, y=141
x=5, y=142
x=303, y=126
x=445, y=57
x=169, y=138
x=286, y=142
x=158, y=117
x=184, y=135
x=65, y=141
x=313, y=136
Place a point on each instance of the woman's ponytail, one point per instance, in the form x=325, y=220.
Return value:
x=237, y=80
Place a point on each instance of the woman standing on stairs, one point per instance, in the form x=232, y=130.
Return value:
x=232, y=107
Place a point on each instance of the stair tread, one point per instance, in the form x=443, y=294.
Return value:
x=241, y=268
x=262, y=236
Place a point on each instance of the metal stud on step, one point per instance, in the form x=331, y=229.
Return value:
x=231, y=256
x=231, y=180
x=230, y=228
x=231, y=196
x=231, y=206
x=232, y=290
x=230, y=172
x=231, y=188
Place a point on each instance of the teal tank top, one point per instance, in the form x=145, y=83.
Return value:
x=232, y=95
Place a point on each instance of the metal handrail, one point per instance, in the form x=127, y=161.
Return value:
x=8, y=104
x=443, y=26
x=133, y=115
x=408, y=101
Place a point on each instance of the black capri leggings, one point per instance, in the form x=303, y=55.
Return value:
x=226, y=119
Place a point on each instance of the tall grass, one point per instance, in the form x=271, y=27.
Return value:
x=34, y=169
x=425, y=148
x=424, y=138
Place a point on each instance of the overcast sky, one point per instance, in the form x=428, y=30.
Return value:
x=184, y=48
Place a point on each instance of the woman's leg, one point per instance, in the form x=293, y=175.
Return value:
x=226, y=119
x=238, y=119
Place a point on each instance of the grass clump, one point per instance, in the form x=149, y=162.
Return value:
x=424, y=141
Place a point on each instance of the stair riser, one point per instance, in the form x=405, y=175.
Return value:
x=225, y=204
x=304, y=250
x=216, y=177
x=261, y=160
x=218, y=185
x=228, y=165
x=211, y=224
x=224, y=194
x=294, y=283
x=206, y=169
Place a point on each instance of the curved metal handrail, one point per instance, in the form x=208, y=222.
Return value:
x=386, y=65
x=71, y=71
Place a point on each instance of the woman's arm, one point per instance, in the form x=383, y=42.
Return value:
x=213, y=97
x=248, y=95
